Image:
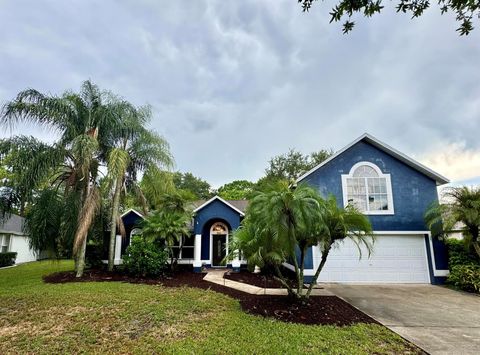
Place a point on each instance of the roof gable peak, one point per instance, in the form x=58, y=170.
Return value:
x=367, y=137
x=214, y=198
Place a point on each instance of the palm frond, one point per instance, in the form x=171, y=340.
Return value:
x=90, y=207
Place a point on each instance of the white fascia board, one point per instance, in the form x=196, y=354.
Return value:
x=440, y=179
x=134, y=211
x=216, y=197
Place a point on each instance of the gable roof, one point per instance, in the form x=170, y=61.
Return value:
x=237, y=205
x=387, y=149
x=13, y=224
x=134, y=211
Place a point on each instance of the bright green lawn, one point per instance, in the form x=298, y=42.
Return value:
x=127, y=318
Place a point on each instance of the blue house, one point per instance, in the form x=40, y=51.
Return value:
x=392, y=189
x=213, y=222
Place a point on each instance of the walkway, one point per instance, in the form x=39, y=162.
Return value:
x=216, y=277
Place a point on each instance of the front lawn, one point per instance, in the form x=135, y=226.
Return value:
x=131, y=318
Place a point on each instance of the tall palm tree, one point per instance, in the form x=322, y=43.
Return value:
x=81, y=121
x=134, y=149
x=461, y=206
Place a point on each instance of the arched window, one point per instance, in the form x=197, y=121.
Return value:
x=219, y=228
x=368, y=189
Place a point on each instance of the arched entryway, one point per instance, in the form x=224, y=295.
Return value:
x=218, y=243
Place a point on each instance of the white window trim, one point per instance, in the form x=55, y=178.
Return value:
x=211, y=244
x=180, y=254
x=3, y=237
x=390, y=210
x=134, y=232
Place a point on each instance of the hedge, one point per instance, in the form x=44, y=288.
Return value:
x=464, y=267
x=7, y=259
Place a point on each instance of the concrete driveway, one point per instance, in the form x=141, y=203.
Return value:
x=437, y=319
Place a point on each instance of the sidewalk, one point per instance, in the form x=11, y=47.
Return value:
x=216, y=277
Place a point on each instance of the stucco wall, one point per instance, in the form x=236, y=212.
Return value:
x=412, y=191
x=19, y=245
x=215, y=211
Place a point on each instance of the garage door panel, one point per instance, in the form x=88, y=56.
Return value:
x=395, y=259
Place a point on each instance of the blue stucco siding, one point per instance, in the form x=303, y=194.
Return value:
x=213, y=212
x=308, y=260
x=132, y=219
x=412, y=191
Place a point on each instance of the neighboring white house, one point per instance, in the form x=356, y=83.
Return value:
x=14, y=239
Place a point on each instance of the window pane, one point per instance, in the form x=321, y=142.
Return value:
x=377, y=202
x=189, y=241
x=359, y=201
x=176, y=252
x=365, y=171
x=187, y=253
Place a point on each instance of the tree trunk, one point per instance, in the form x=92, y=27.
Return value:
x=474, y=232
x=81, y=259
x=476, y=246
x=319, y=269
x=282, y=280
x=113, y=227
x=301, y=270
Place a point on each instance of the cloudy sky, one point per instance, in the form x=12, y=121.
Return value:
x=233, y=83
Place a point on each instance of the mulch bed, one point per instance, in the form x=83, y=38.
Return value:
x=259, y=280
x=320, y=310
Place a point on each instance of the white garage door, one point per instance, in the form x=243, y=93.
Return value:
x=395, y=259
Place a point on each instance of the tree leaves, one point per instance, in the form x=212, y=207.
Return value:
x=465, y=10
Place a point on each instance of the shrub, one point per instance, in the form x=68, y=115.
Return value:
x=93, y=256
x=464, y=267
x=465, y=277
x=7, y=259
x=458, y=254
x=145, y=258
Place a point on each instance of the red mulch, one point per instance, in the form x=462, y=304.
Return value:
x=319, y=310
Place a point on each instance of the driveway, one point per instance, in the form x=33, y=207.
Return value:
x=437, y=319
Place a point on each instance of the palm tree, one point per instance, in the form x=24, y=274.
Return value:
x=168, y=227
x=81, y=120
x=283, y=222
x=338, y=224
x=461, y=207
x=134, y=149
x=16, y=191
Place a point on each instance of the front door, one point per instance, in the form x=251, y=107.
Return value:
x=219, y=249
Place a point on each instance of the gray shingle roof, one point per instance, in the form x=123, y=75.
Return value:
x=12, y=224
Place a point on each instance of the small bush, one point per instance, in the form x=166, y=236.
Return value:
x=145, y=258
x=93, y=256
x=7, y=259
x=465, y=277
x=458, y=254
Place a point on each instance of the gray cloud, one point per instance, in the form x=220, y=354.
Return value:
x=232, y=83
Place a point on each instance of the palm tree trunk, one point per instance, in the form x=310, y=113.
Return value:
x=80, y=254
x=113, y=227
x=302, y=267
x=476, y=246
x=81, y=259
x=282, y=280
x=319, y=269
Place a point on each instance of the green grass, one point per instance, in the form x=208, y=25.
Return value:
x=114, y=317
